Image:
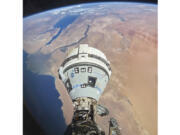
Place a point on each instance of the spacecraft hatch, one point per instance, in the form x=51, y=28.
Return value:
x=85, y=72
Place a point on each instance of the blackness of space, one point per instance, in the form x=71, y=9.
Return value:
x=30, y=127
x=35, y=6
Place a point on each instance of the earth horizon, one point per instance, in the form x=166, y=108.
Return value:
x=125, y=32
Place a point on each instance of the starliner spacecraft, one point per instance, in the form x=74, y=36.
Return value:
x=85, y=73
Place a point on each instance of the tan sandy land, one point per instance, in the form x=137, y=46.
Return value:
x=137, y=77
x=134, y=70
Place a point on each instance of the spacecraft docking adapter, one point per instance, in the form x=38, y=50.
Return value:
x=85, y=73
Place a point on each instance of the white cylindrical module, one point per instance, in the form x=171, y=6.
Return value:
x=85, y=72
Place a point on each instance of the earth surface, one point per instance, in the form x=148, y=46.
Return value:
x=125, y=32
